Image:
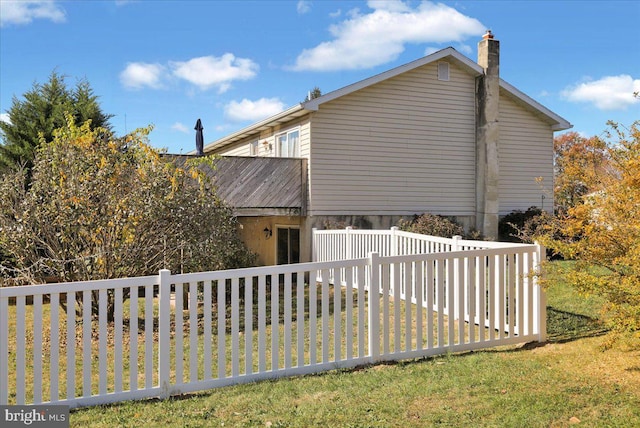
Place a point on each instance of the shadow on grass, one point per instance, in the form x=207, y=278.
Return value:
x=563, y=326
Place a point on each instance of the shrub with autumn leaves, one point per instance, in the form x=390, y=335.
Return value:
x=100, y=207
x=601, y=231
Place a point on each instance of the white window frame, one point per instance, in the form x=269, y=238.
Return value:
x=287, y=134
x=443, y=71
x=254, y=148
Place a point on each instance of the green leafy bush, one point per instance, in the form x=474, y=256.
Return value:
x=511, y=225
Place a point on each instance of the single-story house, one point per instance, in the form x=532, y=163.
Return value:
x=442, y=134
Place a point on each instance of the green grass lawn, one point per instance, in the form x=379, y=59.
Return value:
x=569, y=380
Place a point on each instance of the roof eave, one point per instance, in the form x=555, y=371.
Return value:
x=284, y=116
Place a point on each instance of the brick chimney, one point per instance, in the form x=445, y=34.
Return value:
x=487, y=137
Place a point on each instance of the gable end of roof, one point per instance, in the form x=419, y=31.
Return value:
x=472, y=67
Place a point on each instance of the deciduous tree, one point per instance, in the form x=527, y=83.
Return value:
x=602, y=230
x=101, y=207
x=580, y=163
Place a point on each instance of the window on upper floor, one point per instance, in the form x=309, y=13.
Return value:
x=253, y=148
x=288, y=144
x=443, y=71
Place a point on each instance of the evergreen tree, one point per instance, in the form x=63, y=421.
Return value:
x=313, y=94
x=40, y=112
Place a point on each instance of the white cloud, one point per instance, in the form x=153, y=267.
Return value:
x=139, y=74
x=25, y=11
x=389, y=5
x=247, y=110
x=429, y=50
x=368, y=40
x=4, y=117
x=180, y=127
x=209, y=71
x=204, y=72
x=303, y=6
x=608, y=93
x=465, y=49
x=335, y=14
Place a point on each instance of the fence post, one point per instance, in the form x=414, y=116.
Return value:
x=374, y=307
x=394, y=241
x=455, y=245
x=348, y=244
x=164, y=315
x=314, y=244
x=539, y=296
x=457, y=280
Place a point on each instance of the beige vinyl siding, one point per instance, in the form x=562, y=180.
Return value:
x=526, y=152
x=403, y=146
x=238, y=150
x=241, y=148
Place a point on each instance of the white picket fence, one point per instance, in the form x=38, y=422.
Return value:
x=432, y=296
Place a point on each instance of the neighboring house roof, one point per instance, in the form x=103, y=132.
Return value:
x=557, y=122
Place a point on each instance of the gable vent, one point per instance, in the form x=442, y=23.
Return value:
x=443, y=71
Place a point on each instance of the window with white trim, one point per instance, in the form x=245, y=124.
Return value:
x=443, y=71
x=288, y=144
x=253, y=148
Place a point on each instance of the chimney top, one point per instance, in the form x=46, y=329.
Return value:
x=488, y=35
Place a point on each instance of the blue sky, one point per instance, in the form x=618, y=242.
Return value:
x=168, y=63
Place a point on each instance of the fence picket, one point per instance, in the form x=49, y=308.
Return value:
x=275, y=322
x=313, y=317
x=386, y=287
x=408, y=282
x=222, y=326
x=117, y=358
x=337, y=316
x=4, y=349
x=21, y=350
x=86, y=344
x=235, y=327
x=419, y=284
x=325, y=315
x=148, y=336
x=206, y=331
x=54, y=354
x=193, y=331
x=361, y=312
x=440, y=284
x=300, y=318
x=133, y=339
x=287, y=321
x=248, y=325
x=348, y=313
x=374, y=307
x=71, y=345
x=102, y=342
x=178, y=334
